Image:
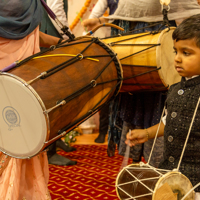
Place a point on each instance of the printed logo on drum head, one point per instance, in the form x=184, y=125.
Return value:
x=11, y=117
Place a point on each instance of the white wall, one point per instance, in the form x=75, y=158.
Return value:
x=75, y=6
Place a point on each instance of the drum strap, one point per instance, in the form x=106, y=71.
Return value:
x=64, y=28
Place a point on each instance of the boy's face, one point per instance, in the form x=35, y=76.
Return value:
x=187, y=58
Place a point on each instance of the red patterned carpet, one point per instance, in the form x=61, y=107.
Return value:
x=93, y=178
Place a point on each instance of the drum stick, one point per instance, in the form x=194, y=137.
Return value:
x=126, y=155
x=105, y=24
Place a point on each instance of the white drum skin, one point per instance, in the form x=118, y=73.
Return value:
x=23, y=124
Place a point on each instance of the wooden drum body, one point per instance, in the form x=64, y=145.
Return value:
x=148, y=58
x=46, y=97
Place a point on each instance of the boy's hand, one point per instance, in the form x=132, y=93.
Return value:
x=137, y=136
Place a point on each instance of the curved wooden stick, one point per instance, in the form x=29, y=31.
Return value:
x=105, y=24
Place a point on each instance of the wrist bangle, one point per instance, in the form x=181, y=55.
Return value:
x=147, y=134
x=59, y=41
x=99, y=20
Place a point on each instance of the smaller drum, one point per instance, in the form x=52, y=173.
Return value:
x=142, y=182
x=148, y=58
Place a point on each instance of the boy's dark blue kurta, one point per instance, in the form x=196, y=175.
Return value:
x=181, y=103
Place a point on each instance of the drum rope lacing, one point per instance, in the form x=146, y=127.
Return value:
x=94, y=83
x=66, y=63
x=114, y=43
x=91, y=112
x=71, y=61
x=151, y=46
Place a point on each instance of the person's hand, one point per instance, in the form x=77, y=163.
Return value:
x=137, y=136
x=90, y=24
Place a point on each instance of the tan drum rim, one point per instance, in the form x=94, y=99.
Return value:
x=158, y=53
x=120, y=66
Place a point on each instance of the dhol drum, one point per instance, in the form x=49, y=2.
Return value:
x=148, y=58
x=143, y=182
x=46, y=96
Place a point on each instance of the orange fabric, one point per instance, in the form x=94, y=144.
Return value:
x=22, y=178
x=25, y=179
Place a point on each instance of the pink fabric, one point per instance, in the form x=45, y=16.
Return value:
x=13, y=50
x=22, y=178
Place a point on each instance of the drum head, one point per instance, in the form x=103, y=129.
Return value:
x=165, y=58
x=179, y=184
x=23, y=126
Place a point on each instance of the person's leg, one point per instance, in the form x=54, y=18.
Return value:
x=103, y=125
x=55, y=159
x=62, y=145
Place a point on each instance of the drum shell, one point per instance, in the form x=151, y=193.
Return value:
x=146, y=63
x=71, y=79
x=134, y=188
x=152, y=179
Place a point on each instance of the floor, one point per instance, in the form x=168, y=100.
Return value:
x=89, y=139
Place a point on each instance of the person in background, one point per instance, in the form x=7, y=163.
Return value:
x=48, y=26
x=96, y=18
x=181, y=103
x=142, y=109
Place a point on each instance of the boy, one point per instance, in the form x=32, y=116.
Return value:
x=180, y=105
